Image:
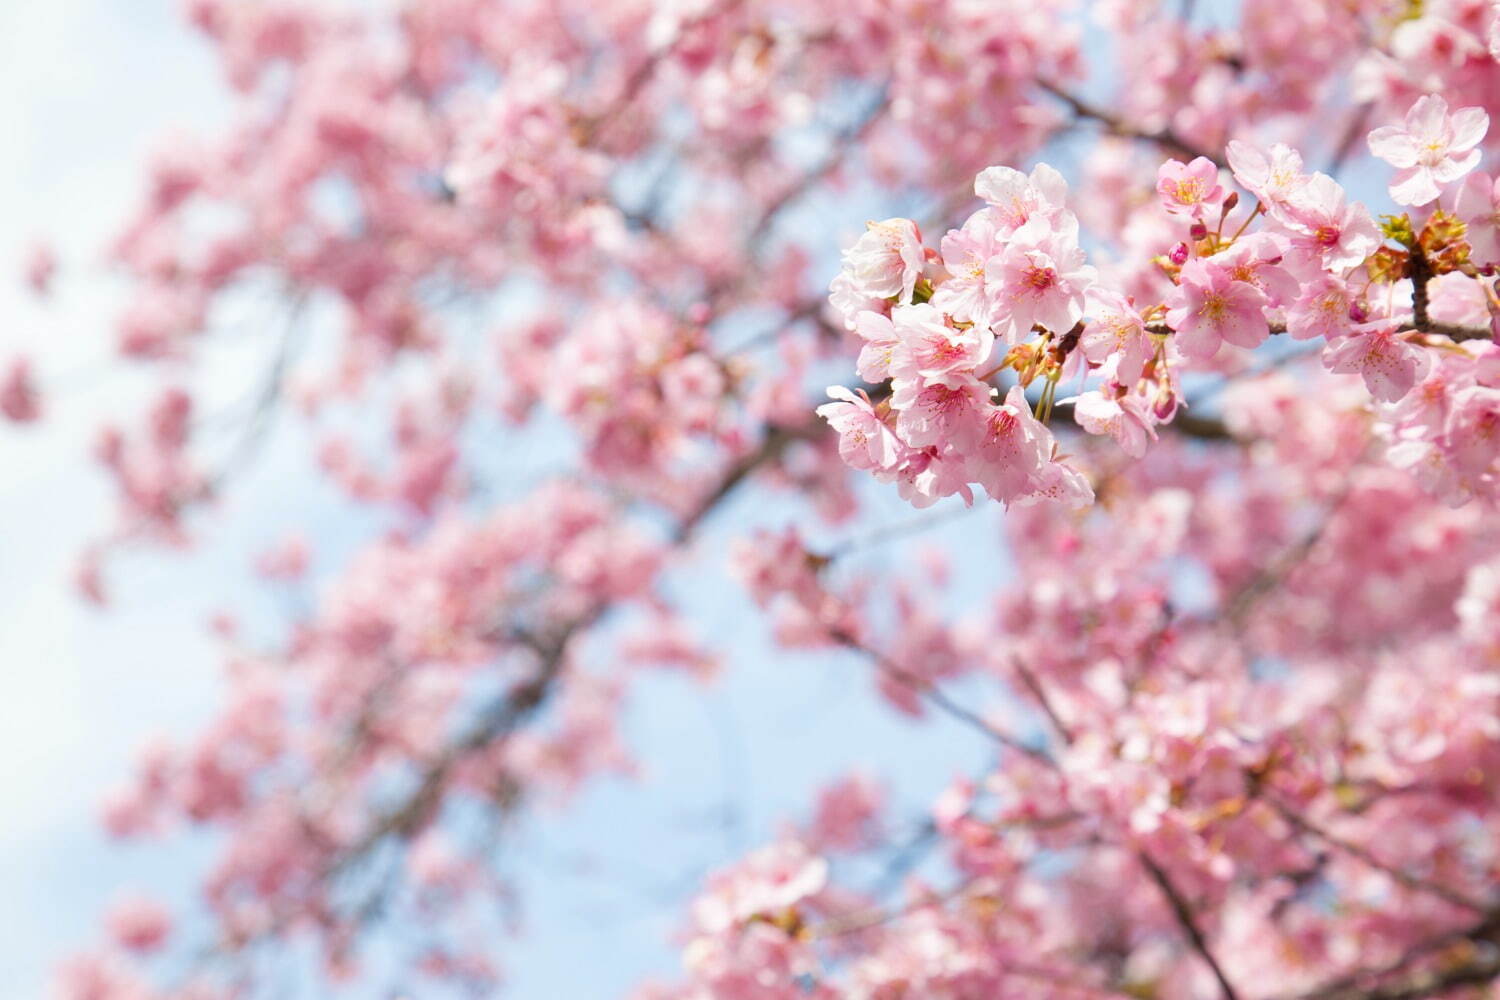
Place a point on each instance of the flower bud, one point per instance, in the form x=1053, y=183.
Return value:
x=1164, y=406
x=1199, y=231
x=1179, y=254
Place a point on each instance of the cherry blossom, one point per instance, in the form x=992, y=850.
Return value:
x=549, y=293
x=1431, y=149
x=1189, y=188
x=1211, y=308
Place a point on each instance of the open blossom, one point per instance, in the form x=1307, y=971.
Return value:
x=1011, y=449
x=1210, y=307
x=929, y=475
x=880, y=343
x=865, y=440
x=850, y=301
x=1431, y=149
x=1189, y=188
x=967, y=251
x=1473, y=429
x=1326, y=227
x=1271, y=176
x=1115, y=331
x=1121, y=416
x=938, y=412
x=887, y=260
x=1015, y=199
x=1389, y=365
x=1257, y=259
x=1321, y=310
x=929, y=347
x=1060, y=483
x=1478, y=205
x=1041, y=278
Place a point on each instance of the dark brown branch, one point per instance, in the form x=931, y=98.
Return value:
x=1184, y=422
x=1189, y=924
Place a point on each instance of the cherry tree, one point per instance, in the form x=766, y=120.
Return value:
x=1195, y=305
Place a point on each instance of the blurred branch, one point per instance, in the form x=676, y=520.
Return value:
x=1115, y=125
x=1446, y=894
x=1185, y=920
x=1477, y=962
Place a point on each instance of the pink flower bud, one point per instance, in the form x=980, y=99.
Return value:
x=1164, y=406
x=1179, y=254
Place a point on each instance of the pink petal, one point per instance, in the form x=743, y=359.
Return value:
x=1414, y=186
x=1427, y=116
x=1394, y=145
x=1469, y=126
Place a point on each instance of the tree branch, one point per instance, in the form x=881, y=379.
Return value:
x=1115, y=125
x=1187, y=922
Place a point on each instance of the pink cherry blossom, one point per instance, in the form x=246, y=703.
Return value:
x=1011, y=450
x=1325, y=226
x=1431, y=149
x=1122, y=417
x=1040, y=279
x=1389, y=365
x=1258, y=259
x=1015, y=199
x=1478, y=205
x=967, y=252
x=879, y=350
x=938, y=412
x=930, y=347
x=1210, y=308
x=887, y=260
x=1321, y=310
x=1189, y=188
x=865, y=440
x=1115, y=331
x=1272, y=176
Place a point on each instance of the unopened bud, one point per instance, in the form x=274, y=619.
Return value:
x=1165, y=404
x=1357, y=312
x=1179, y=254
x=1231, y=201
x=1199, y=231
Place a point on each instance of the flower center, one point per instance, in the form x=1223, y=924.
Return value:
x=1190, y=191
x=1039, y=278
x=1214, y=309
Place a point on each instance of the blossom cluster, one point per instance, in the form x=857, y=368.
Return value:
x=1304, y=260
x=1237, y=719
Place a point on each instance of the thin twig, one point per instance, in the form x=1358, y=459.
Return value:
x=1116, y=125
x=1187, y=922
x=1448, y=895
